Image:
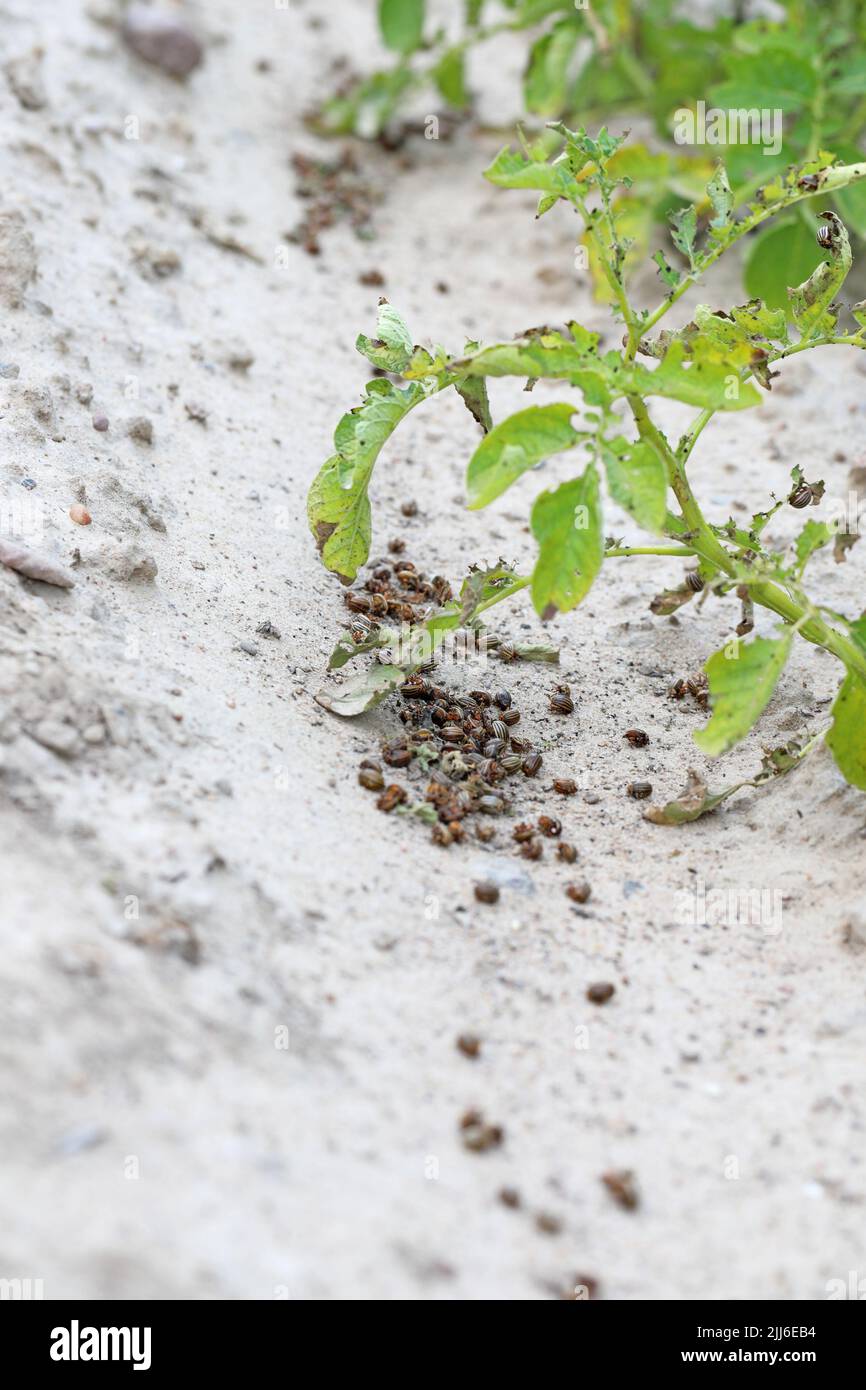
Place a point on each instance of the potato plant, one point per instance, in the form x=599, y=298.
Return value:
x=719, y=361
x=654, y=59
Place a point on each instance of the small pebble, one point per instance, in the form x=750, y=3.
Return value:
x=140, y=428
x=622, y=1188
x=469, y=1045
x=160, y=38
x=80, y=515
x=600, y=992
x=486, y=892
x=578, y=892
x=100, y=422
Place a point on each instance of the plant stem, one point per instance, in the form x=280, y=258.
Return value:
x=514, y=586
x=707, y=545
x=690, y=438
x=616, y=551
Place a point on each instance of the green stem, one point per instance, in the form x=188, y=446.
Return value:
x=706, y=544
x=513, y=587
x=690, y=438
x=620, y=550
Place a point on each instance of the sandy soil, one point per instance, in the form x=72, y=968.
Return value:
x=190, y=867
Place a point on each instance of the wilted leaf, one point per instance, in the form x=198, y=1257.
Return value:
x=363, y=692
x=423, y=810
x=534, y=651
x=812, y=302
x=669, y=600
x=391, y=349
x=669, y=277
x=842, y=543
x=695, y=800
x=692, y=803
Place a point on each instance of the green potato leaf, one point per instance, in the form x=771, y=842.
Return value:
x=518, y=443
x=338, y=508
x=775, y=76
x=637, y=480
x=740, y=689
x=567, y=524
x=684, y=229
x=695, y=372
x=760, y=322
x=847, y=736
x=721, y=197
x=813, y=536
x=401, y=23
x=512, y=169
x=449, y=75
x=545, y=83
